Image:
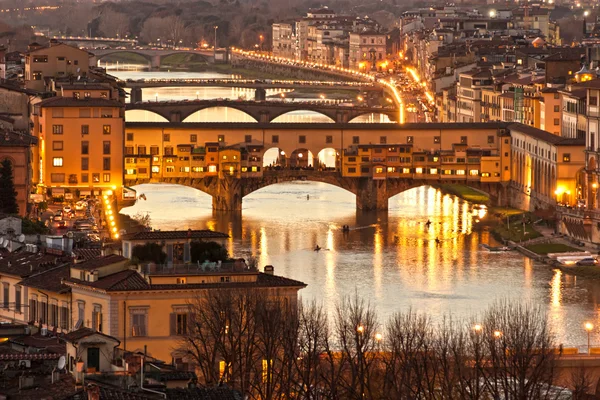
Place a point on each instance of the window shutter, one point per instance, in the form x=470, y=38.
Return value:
x=186, y=253
x=191, y=328
x=173, y=324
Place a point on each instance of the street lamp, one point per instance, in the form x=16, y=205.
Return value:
x=215, y=44
x=322, y=97
x=197, y=95
x=378, y=337
x=589, y=327
x=261, y=38
x=360, y=329
x=282, y=95
x=156, y=97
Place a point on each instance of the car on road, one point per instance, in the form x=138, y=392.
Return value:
x=67, y=209
x=57, y=217
x=591, y=261
x=62, y=225
x=80, y=206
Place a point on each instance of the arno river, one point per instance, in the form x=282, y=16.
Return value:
x=391, y=259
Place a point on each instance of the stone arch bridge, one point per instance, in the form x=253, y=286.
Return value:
x=261, y=111
x=371, y=194
x=154, y=57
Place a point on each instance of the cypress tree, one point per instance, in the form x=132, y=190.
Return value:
x=8, y=195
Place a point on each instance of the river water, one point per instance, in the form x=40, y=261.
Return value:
x=389, y=258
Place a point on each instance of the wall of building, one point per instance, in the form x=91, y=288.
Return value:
x=21, y=160
x=58, y=60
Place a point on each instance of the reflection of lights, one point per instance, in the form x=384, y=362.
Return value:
x=300, y=155
x=378, y=337
x=114, y=230
x=360, y=329
x=282, y=153
x=555, y=287
x=497, y=334
x=477, y=328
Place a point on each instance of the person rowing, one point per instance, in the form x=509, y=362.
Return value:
x=317, y=248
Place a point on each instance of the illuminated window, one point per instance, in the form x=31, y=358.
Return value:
x=406, y=170
x=379, y=170
x=419, y=170
x=184, y=169
x=244, y=169
x=435, y=159
x=130, y=171
x=106, y=177
x=212, y=168
x=155, y=168
x=106, y=129
x=57, y=129
x=460, y=172
x=447, y=172
x=433, y=171
x=474, y=172
x=221, y=138
x=391, y=169
x=224, y=157
x=197, y=169
x=566, y=157
x=254, y=169
x=57, y=162
x=485, y=174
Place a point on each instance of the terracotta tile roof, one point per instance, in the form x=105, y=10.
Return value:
x=16, y=139
x=24, y=264
x=48, y=343
x=34, y=356
x=49, y=280
x=546, y=136
x=99, y=262
x=86, y=254
x=131, y=280
x=120, y=281
x=174, y=235
x=82, y=333
x=72, y=102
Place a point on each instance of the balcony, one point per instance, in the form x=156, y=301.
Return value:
x=205, y=268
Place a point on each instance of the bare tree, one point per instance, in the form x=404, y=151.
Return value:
x=520, y=352
x=114, y=23
x=582, y=382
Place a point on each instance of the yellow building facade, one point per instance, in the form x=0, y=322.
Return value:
x=80, y=143
x=57, y=60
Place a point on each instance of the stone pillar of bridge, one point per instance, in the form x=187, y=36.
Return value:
x=371, y=194
x=155, y=62
x=136, y=95
x=342, y=117
x=228, y=195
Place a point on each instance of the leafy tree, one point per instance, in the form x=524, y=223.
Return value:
x=149, y=252
x=211, y=251
x=8, y=195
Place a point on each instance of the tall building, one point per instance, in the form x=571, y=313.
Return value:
x=284, y=40
x=16, y=147
x=367, y=50
x=81, y=138
x=57, y=60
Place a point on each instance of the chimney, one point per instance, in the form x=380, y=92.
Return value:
x=93, y=392
x=269, y=269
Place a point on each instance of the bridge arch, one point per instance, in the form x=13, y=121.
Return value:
x=300, y=116
x=328, y=158
x=140, y=115
x=106, y=53
x=214, y=114
x=371, y=118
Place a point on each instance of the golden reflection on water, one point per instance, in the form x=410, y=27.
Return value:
x=556, y=286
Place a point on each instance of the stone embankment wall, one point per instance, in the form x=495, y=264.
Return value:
x=292, y=71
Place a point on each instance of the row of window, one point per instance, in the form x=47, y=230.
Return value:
x=419, y=170
x=85, y=163
x=85, y=129
x=171, y=169
x=58, y=145
x=85, y=178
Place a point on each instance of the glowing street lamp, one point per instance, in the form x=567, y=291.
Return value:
x=360, y=329
x=378, y=337
x=197, y=95
x=589, y=327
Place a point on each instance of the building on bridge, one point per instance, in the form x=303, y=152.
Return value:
x=516, y=164
x=54, y=61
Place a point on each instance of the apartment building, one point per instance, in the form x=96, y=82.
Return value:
x=284, y=40
x=57, y=60
x=468, y=94
x=367, y=50
x=80, y=142
x=551, y=110
x=17, y=148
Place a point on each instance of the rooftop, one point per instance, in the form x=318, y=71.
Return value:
x=16, y=139
x=24, y=264
x=546, y=136
x=82, y=333
x=49, y=280
x=99, y=262
x=85, y=102
x=176, y=235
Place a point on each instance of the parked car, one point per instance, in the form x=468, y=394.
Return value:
x=587, y=262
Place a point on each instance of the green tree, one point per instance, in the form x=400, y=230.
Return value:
x=8, y=195
x=211, y=251
x=149, y=252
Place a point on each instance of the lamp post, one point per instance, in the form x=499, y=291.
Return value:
x=156, y=97
x=589, y=327
x=261, y=38
x=594, y=193
x=197, y=95
x=215, y=44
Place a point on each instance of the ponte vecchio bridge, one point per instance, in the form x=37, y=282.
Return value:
x=373, y=161
x=261, y=111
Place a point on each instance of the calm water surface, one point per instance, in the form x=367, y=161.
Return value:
x=390, y=258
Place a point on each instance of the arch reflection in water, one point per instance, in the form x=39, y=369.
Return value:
x=372, y=118
x=391, y=258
